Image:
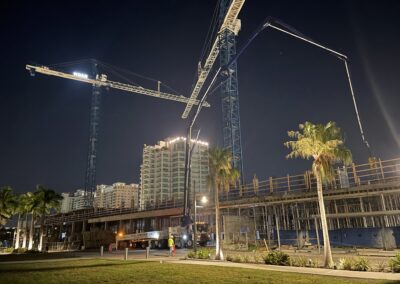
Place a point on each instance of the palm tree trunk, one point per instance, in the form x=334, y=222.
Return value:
x=218, y=251
x=25, y=231
x=328, y=261
x=41, y=233
x=30, y=245
x=18, y=232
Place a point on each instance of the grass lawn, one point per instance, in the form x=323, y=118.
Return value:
x=116, y=271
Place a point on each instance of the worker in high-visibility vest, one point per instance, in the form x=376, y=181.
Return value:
x=171, y=244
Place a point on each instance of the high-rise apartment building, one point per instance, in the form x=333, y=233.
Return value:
x=73, y=201
x=162, y=173
x=118, y=195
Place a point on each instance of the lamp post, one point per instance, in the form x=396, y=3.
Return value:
x=203, y=201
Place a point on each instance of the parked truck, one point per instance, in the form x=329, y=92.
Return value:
x=159, y=239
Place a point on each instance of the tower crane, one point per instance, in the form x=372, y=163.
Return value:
x=229, y=23
x=102, y=81
x=97, y=82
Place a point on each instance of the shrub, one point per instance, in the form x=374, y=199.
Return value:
x=277, y=258
x=256, y=258
x=381, y=266
x=20, y=250
x=345, y=264
x=252, y=247
x=313, y=262
x=191, y=254
x=394, y=263
x=237, y=258
x=246, y=259
x=9, y=250
x=204, y=253
x=298, y=261
x=361, y=264
x=229, y=258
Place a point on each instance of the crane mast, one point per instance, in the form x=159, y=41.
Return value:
x=230, y=22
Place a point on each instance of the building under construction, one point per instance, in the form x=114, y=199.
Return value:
x=362, y=206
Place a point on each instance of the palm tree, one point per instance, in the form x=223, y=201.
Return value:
x=7, y=204
x=221, y=177
x=33, y=207
x=22, y=209
x=47, y=199
x=325, y=145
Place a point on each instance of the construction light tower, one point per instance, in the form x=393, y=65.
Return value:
x=230, y=91
x=90, y=178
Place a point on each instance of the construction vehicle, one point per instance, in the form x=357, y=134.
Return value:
x=159, y=239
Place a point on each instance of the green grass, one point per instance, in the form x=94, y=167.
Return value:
x=115, y=271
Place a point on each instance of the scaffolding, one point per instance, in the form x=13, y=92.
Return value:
x=362, y=200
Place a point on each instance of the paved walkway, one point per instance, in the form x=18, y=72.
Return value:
x=304, y=270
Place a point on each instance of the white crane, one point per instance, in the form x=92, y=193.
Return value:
x=230, y=22
x=102, y=81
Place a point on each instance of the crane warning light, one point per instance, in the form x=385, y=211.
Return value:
x=80, y=75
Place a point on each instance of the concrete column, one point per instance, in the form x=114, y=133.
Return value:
x=362, y=210
x=84, y=223
x=385, y=218
x=105, y=225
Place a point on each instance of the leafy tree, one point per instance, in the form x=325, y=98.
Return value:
x=221, y=177
x=325, y=145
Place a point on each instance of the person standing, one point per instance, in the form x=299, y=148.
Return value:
x=171, y=244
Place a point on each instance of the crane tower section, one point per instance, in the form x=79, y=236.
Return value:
x=90, y=178
x=229, y=89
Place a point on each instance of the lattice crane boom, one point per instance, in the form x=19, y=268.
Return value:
x=104, y=82
x=230, y=22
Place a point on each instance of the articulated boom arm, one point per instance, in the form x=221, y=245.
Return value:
x=230, y=22
x=102, y=81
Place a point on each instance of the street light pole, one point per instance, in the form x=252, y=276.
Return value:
x=195, y=226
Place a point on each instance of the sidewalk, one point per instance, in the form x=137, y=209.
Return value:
x=304, y=270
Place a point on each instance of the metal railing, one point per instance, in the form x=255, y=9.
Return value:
x=374, y=172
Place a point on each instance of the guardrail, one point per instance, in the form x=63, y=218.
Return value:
x=374, y=172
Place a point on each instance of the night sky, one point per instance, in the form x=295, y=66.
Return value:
x=44, y=120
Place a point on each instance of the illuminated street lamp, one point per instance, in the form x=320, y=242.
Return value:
x=203, y=200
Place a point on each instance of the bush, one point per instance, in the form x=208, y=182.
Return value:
x=256, y=258
x=277, y=258
x=394, y=263
x=237, y=258
x=246, y=259
x=299, y=261
x=361, y=264
x=345, y=264
x=229, y=258
x=200, y=254
x=191, y=254
x=203, y=253
x=9, y=250
x=20, y=250
x=313, y=262
x=381, y=266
